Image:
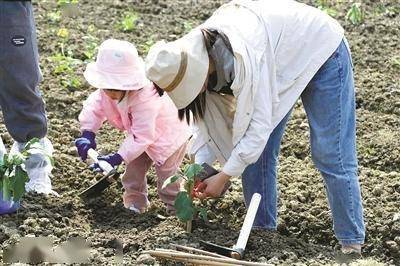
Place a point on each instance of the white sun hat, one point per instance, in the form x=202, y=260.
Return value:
x=118, y=66
x=180, y=68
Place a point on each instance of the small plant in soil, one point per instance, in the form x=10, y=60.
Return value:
x=13, y=175
x=66, y=2
x=355, y=14
x=91, y=43
x=186, y=207
x=128, y=23
x=147, y=45
x=64, y=63
x=395, y=61
x=54, y=17
x=324, y=6
x=65, y=67
x=187, y=26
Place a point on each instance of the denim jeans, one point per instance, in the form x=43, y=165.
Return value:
x=329, y=102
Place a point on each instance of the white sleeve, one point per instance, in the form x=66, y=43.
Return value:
x=205, y=155
x=250, y=147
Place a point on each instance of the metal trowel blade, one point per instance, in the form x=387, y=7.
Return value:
x=96, y=189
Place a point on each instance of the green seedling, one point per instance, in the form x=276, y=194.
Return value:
x=66, y=2
x=91, y=47
x=185, y=206
x=13, y=175
x=187, y=26
x=128, y=23
x=355, y=14
x=64, y=64
x=54, y=17
x=324, y=6
x=71, y=82
x=146, y=46
x=91, y=43
x=65, y=67
x=395, y=61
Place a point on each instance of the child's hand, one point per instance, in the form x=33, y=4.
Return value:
x=113, y=159
x=84, y=143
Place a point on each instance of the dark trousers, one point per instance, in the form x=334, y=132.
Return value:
x=20, y=98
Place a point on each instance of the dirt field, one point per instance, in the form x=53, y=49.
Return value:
x=305, y=233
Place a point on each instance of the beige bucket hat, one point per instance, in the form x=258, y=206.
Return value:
x=180, y=68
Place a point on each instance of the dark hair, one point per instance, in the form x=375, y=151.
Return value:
x=159, y=90
x=198, y=106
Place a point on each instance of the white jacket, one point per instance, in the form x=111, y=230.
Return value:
x=278, y=46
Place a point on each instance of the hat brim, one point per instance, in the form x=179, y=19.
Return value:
x=100, y=79
x=196, y=72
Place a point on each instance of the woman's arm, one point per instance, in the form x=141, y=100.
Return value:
x=250, y=147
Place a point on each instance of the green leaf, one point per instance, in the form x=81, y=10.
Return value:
x=184, y=207
x=170, y=180
x=203, y=213
x=193, y=170
x=6, y=188
x=21, y=177
x=31, y=143
x=5, y=160
x=16, y=159
x=355, y=14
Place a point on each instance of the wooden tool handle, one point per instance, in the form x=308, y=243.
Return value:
x=248, y=222
x=105, y=166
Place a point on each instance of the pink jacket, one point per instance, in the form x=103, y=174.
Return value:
x=151, y=122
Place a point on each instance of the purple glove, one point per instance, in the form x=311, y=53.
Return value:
x=113, y=159
x=8, y=206
x=84, y=143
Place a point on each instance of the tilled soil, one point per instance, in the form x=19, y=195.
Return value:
x=304, y=234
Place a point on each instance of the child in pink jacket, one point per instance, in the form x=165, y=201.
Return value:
x=129, y=102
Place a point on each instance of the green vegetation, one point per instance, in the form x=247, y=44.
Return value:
x=187, y=26
x=13, y=175
x=66, y=2
x=54, y=17
x=65, y=66
x=355, y=15
x=324, y=6
x=395, y=62
x=185, y=206
x=145, y=47
x=91, y=43
x=128, y=23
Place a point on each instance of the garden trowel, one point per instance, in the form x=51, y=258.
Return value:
x=110, y=176
x=237, y=251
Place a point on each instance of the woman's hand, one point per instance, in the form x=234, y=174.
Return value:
x=213, y=186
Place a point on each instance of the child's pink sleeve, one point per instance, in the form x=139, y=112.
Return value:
x=92, y=115
x=142, y=132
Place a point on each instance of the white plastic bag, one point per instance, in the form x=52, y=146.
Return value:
x=38, y=167
x=3, y=149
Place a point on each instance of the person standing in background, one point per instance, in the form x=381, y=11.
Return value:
x=20, y=99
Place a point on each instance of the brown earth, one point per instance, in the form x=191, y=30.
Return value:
x=304, y=235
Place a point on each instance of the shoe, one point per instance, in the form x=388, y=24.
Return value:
x=351, y=249
x=41, y=185
x=349, y=253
